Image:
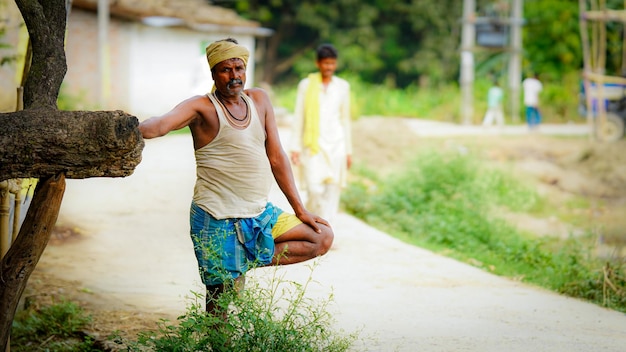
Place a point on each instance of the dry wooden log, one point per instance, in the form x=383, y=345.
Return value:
x=43, y=142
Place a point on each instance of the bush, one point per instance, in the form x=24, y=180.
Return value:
x=269, y=315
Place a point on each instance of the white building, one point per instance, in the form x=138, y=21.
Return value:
x=154, y=55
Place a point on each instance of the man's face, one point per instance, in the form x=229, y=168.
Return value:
x=327, y=66
x=229, y=76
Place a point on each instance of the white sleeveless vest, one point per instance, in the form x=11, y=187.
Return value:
x=233, y=175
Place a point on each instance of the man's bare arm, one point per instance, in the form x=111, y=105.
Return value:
x=180, y=116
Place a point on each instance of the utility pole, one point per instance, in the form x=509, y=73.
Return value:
x=515, y=61
x=468, y=38
x=103, y=52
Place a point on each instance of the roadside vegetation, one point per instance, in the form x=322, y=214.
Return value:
x=271, y=314
x=59, y=326
x=452, y=203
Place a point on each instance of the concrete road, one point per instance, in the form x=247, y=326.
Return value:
x=399, y=297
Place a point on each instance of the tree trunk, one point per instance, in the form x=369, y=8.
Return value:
x=43, y=142
x=45, y=21
x=24, y=254
x=80, y=144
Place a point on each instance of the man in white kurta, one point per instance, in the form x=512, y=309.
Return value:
x=323, y=146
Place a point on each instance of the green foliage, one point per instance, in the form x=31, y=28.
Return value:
x=414, y=46
x=552, y=45
x=398, y=41
x=560, y=100
x=69, y=102
x=5, y=59
x=271, y=314
x=450, y=203
x=416, y=42
x=57, y=327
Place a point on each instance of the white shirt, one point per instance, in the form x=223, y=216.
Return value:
x=532, y=88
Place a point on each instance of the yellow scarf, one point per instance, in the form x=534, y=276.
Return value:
x=312, y=113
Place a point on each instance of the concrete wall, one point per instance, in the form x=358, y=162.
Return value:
x=151, y=68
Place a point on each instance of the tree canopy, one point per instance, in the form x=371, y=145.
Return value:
x=401, y=42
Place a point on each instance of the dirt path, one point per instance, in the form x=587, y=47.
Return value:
x=133, y=255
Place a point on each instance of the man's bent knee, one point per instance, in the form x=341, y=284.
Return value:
x=302, y=243
x=326, y=237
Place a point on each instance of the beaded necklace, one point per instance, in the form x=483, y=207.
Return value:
x=237, y=122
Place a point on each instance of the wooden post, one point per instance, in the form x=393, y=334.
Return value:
x=5, y=207
x=600, y=70
x=468, y=39
x=515, y=61
x=24, y=254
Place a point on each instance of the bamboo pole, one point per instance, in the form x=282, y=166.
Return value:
x=584, y=35
x=5, y=208
x=594, y=58
x=17, y=205
x=601, y=68
x=594, y=62
x=606, y=15
x=623, y=70
x=606, y=79
x=17, y=208
x=594, y=38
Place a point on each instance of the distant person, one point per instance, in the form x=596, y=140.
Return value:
x=494, y=106
x=238, y=152
x=532, y=87
x=321, y=139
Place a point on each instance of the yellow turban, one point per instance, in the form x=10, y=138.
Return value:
x=224, y=50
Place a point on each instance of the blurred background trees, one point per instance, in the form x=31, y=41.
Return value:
x=411, y=45
x=402, y=43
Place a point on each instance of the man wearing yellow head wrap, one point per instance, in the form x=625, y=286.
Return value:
x=321, y=140
x=226, y=49
x=238, y=155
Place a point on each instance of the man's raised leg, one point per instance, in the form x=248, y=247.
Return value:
x=302, y=243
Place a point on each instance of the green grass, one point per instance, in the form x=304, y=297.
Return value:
x=559, y=101
x=449, y=203
x=57, y=327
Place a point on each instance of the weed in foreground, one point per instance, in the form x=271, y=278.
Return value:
x=270, y=314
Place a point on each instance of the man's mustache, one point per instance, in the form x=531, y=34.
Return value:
x=234, y=81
